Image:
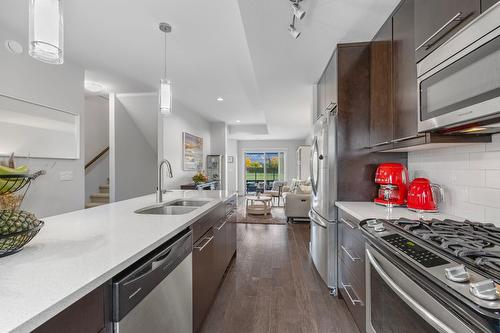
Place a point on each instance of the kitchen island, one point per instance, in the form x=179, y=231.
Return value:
x=77, y=252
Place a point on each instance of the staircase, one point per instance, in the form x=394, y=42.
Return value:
x=100, y=198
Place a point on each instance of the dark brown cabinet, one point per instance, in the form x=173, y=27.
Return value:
x=87, y=315
x=437, y=20
x=205, y=277
x=351, y=250
x=321, y=95
x=331, y=83
x=381, y=100
x=485, y=4
x=214, y=246
x=405, y=72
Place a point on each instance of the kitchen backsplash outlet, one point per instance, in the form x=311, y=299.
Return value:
x=470, y=176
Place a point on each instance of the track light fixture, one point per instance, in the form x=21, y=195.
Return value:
x=298, y=13
x=293, y=32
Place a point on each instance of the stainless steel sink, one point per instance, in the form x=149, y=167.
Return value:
x=165, y=210
x=190, y=203
x=175, y=207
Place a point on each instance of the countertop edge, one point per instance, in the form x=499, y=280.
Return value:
x=67, y=301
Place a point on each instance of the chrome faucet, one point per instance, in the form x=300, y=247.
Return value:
x=159, y=189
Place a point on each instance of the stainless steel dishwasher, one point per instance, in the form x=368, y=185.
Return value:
x=155, y=294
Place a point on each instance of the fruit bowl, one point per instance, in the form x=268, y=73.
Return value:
x=17, y=228
x=14, y=182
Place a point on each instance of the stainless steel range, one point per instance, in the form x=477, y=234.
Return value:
x=432, y=276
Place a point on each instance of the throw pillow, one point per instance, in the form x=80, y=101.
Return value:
x=306, y=189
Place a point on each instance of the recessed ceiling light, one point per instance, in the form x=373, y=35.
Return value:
x=13, y=47
x=220, y=99
x=93, y=87
x=238, y=121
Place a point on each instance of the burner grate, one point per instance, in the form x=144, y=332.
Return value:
x=476, y=243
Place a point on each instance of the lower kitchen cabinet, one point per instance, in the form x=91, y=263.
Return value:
x=87, y=315
x=212, y=254
x=351, y=263
x=205, y=277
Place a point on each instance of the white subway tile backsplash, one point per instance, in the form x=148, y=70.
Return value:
x=492, y=178
x=469, y=211
x=470, y=176
x=492, y=215
x=486, y=160
x=485, y=196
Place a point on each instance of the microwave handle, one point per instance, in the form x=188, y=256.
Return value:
x=412, y=303
x=453, y=19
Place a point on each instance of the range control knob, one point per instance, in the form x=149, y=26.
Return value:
x=485, y=289
x=379, y=227
x=373, y=223
x=457, y=274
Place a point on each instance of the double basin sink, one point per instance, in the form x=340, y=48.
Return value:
x=175, y=207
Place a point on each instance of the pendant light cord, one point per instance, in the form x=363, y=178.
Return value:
x=165, y=55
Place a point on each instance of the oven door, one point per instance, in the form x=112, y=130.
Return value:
x=395, y=303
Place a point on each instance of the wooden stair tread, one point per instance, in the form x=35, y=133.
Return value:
x=94, y=204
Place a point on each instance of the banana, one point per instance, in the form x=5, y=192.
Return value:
x=8, y=171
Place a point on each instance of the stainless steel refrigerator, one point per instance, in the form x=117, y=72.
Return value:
x=342, y=163
x=323, y=245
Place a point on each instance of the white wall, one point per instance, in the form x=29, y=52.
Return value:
x=470, y=176
x=289, y=146
x=60, y=87
x=232, y=168
x=132, y=160
x=181, y=120
x=96, y=139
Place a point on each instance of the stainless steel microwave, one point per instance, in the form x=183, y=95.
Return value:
x=459, y=83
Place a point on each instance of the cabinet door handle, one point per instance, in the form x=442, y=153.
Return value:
x=353, y=258
x=354, y=301
x=222, y=225
x=207, y=241
x=381, y=143
x=408, y=138
x=348, y=223
x=438, y=31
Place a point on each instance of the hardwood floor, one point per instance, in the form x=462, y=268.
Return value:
x=272, y=286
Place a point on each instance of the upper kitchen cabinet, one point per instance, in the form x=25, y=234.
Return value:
x=438, y=20
x=331, y=96
x=321, y=95
x=381, y=101
x=327, y=87
x=404, y=72
x=485, y=4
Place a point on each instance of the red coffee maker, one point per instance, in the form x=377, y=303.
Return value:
x=393, y=181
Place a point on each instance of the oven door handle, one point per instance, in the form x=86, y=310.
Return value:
x=412, y=303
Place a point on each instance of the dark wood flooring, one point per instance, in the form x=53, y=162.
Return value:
x=272, y=286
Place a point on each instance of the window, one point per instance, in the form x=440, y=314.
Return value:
x=262, y=169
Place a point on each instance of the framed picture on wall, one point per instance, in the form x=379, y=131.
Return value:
x=192, y=152
x=230, y=159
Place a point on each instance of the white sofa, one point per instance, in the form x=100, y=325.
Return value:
x=298, y=201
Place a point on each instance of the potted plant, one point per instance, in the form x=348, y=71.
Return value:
x=200, y=178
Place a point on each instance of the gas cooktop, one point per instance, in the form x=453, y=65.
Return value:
x=464, y=256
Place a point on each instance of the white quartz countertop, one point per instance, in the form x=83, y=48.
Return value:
x=366, y=210
x=75, y=253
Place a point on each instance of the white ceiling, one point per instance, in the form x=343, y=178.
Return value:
x=239, y=50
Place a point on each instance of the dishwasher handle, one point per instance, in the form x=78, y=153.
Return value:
x=135, y=283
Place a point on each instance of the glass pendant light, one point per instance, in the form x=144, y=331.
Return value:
x=165, y=84
x=46, y=31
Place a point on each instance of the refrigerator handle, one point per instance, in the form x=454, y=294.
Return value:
x=314, y=181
